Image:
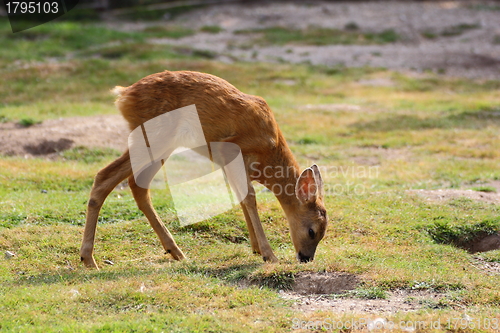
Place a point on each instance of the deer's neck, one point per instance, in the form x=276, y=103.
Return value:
x=279, y=172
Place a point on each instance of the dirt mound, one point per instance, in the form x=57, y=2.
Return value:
x=56, y=135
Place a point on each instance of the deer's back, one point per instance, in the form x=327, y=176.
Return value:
x=226, y=114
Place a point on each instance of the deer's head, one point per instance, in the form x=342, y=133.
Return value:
x=309, y=220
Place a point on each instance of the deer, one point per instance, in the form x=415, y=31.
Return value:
x=226, y=115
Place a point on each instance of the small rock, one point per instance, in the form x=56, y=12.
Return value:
x=109, y=262
x=9, y=255
x=44, y=191
x=377, y=324
x=467, y=317
x=74, y=293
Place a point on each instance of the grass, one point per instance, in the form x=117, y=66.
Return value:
x=322, y=36
x=487, y=189
x=425, y=132
x=89, y=156
x=27, y=122
x=369, y=293
x=462, y=235
x=459, y=29
x=212, y=29
x=452, y=31
x=61, y=40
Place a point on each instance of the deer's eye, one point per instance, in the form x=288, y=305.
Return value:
x=311, y=233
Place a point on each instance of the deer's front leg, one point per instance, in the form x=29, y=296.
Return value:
x=249, y=205
x=253, y=239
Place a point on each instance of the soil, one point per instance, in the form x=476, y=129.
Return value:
x=489, y=267
x=430, y=34
x=308, y=283
x=484, y=244
x=443, y=195
x=472, y=53
x=328, y=292
x=396, y=301
x=53, y=136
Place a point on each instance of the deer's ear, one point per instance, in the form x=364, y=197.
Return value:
x=319, y=180
x=306, y=188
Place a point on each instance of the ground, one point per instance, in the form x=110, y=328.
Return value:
x=56, y=135
x=448, y=37
x=411, y=93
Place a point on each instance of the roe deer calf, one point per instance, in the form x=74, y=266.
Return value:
x=226, y=115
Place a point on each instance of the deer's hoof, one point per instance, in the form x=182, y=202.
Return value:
x=89, y=263
x=270, y=258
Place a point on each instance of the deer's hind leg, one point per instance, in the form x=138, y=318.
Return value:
x=143, y=200
x=105, y=181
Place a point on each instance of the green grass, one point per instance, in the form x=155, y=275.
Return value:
x=86, y=155
x=27, y=122
x=62, y=40
x=322, y=36
x=461, y=235
x=488, y=189
x=459, y=29
x=425, y=132
x=452, y=31
x=213, y=29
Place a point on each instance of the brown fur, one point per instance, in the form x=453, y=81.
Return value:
x=226, y=115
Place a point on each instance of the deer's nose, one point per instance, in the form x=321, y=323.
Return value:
x=304, y=258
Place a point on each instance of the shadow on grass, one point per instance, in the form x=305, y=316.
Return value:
x=229, y=274
x=242, y=275
x=82, y=276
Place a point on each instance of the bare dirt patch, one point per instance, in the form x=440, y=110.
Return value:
x=56, y=135
x=373, y=156
x=308, y=283
x=330, y=291
x=490, y=268
x=396, y=301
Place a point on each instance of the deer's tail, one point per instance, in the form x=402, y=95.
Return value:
x=118, y=90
